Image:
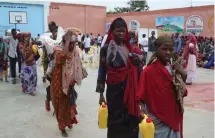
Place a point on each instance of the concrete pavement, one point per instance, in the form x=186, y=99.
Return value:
x=24, y=116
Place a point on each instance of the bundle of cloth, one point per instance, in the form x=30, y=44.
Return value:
x=49, y=43
x=91, y=56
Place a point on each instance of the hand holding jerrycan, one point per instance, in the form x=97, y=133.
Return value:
x=103, y=116
x=146, y=127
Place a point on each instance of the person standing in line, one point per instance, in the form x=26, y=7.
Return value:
x=144, y=46
x=99, y=40
x=79, y=40
x=132, y=37
x=48, y=61
x=91, y=36
x=29, y=69
x=82, y=42
x=92, y=39
x=67, y=72
x=151, y=44
x=12, y=53
x=158, y=94
x=190, y=55
x=177, y=43
x=118, y=68
x=87, y=44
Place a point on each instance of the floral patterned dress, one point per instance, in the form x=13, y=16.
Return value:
x=28, y=70
x=65, y=113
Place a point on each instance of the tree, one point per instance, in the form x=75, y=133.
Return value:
x=133, y=6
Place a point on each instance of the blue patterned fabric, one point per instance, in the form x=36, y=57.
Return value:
x=29, y=78
x=162, y=130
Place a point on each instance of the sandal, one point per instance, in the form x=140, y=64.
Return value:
x=47, y=104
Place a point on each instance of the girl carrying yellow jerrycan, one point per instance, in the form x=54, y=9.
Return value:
x=146, y=127
x=103, y=116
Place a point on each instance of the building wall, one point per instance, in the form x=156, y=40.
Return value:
x=35, y=18
x=84, y=17
x=147, y=19
x=93, y=18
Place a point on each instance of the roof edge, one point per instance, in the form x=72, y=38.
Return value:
x=74, y=4
x=159, y=11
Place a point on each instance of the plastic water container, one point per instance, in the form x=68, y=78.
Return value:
x=146, y=128
x=103, y=116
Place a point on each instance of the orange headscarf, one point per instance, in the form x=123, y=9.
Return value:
x=25, y=47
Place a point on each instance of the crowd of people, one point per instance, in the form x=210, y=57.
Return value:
x=136, y=73
x=88, y=40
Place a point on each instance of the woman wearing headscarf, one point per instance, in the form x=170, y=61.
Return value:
x=67, y=72
x=159, y=98
x=118, y=67
x=28, y=67
x=190, y=55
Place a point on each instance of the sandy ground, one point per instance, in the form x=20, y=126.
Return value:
x=24, y=116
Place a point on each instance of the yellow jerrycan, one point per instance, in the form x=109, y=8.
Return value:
x=103, y=116
x=146, y=127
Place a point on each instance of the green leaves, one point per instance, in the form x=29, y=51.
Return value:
x=133, y=6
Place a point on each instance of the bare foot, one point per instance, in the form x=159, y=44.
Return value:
x=63, y=133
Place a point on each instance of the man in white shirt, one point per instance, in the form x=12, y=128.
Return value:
x=79, y=40
x=144, y=43
x=79, y=37
x=144, y=46
x=12, y=53
x=87, y=42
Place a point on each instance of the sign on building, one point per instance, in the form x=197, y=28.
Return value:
x=170, y=24
x=194, y=24
x=134, y=25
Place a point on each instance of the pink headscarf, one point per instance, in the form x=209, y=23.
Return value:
x=191, y=39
